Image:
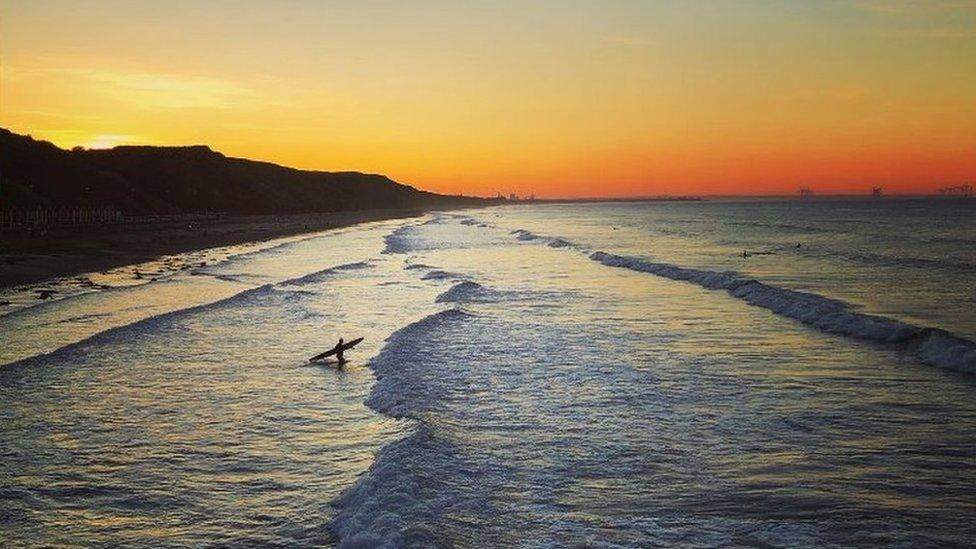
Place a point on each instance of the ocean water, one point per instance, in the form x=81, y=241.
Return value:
x=764, y=373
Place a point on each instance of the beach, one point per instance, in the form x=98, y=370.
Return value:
x=31, y=257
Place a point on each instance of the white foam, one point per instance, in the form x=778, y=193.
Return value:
x=401, y=240
x=374, y=511
x=551, y=241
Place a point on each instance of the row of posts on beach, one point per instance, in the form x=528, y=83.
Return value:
x=43, y=217
x=29, y=219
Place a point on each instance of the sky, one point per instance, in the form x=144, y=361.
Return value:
x=560, y=98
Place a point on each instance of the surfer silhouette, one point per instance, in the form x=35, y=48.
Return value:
x=338, y=351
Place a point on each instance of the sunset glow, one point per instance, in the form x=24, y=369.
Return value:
x=605, y=99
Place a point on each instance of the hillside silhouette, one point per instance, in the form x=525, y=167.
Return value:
x=143, y=180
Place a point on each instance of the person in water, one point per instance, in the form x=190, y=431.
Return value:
x=339, y=351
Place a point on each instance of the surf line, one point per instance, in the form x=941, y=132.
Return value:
x=932, y=346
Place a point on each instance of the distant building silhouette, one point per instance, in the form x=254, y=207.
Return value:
x=964, y=191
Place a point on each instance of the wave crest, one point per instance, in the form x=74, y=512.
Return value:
x=388, y=506
x=399, y=241
x=551, y=241
x=465, y=291
x=319, y=276
x=440, y=275
x=934, y=347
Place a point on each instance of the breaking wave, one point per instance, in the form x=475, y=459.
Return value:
x=319, y=276
x=440, y=275
x=284, y=293
x=148, y=324
x=551, y=241
x=413, y=238
x=466, y=291
x=399, y=241
x=396, y=393
x=522, y=234
x=472, y=292
x=933, y=346
x=390, y=505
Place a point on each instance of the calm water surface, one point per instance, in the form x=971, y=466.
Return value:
x=602, y=374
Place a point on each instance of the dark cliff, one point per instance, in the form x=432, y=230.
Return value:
x=140, y=180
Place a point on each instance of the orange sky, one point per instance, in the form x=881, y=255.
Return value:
x=559, y=98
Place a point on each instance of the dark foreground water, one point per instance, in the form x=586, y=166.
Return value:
x=612, y=375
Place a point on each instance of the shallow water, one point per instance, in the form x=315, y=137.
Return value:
x=532, y=392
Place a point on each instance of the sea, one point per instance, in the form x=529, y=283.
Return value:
x=722, y=373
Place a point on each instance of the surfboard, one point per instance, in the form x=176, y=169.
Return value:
x=345, y=346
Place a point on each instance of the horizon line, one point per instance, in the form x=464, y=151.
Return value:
x=633, y=198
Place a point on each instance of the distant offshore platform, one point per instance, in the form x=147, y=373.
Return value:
x=952, y=191
x=963, y=191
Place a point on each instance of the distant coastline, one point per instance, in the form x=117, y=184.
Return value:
x=64, y=213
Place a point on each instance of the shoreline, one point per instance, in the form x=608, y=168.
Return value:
x=66, y=251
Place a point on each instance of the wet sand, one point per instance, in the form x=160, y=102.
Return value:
x=27, y=258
